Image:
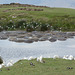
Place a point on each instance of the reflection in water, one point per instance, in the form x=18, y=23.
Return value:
x=15, y=51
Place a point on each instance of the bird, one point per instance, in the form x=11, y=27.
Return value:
x=55, y=56
x=8, y=68
x=0, y=70
x=10, y=63
x=69, y=68
x=30, y=58
x=70, y=57
x=65, y=57
x=24, y=58
x=0, y=66
x=40, y=59
x=32, y=64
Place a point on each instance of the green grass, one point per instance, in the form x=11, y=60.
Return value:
x=57, y=17
x=47, y=13
x=50, y=67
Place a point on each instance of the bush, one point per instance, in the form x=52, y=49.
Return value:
x=1, y=61
x=21, y=23
x=29, y=28
x=44, y=27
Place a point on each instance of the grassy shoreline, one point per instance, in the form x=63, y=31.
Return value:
x=50, y=67
x=17, y=17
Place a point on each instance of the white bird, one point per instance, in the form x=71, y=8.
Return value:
x=70, y=57
x=10, y=63
x=40, y=59
x=65, y=57
x=30, y=58
x=2, y=65
x=24, y=58
x=55, y=56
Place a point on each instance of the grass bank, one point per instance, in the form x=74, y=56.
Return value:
x=50, y=67
x=29, y=18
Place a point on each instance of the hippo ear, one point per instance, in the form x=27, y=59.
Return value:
x=1, y=60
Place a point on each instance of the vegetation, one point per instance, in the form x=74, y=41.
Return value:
x=17, y=17
x=1, y=61
x=50, y=67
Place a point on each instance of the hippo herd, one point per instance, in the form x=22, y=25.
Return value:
x=35, y=36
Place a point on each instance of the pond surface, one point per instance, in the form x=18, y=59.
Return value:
x=16, y=51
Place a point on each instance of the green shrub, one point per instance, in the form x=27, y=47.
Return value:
x=21, y=23
x=29, y=28
x=1, y=60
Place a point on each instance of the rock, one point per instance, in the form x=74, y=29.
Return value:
x=71, y=33
x=39, y=35
x=3, y=37
x=35, y=39
x=62, y=38
x=30, y=37
x=20, y=36
x=52, y=39
x=43, y=39
x=70, y=36
x=48, y=34
x=29, y=41
x=34, y=32
x=12, y=38
x=19, y=40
